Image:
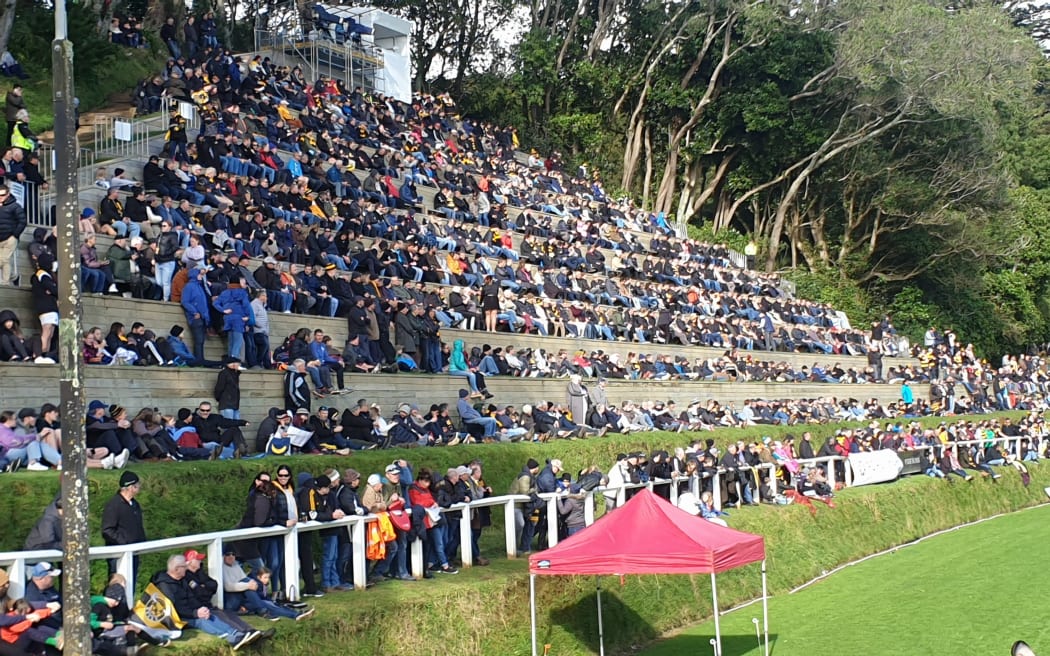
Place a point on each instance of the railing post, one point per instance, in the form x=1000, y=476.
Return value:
x=510, y=530
x=588, y=509
x=358, y=561
x=552, y=521
x=417, y=559
x=215, y=549
x=831, y=472
x=17, y=576
x=772, y=481
x=716, y=490
x=126, y=568
x=848, y=471
x=673, y=489
x=465, y=544
x=291, y=563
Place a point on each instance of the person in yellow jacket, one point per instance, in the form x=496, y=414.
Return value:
x=22, y=137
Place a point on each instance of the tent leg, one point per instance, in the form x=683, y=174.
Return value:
x=765, y=607
x=718, y=629
x=532, y=607
x=601, y=629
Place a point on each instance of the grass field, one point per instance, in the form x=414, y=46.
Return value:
x=972, y=591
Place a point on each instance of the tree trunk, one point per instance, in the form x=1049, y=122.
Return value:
x=7, y=21
x=647, y=183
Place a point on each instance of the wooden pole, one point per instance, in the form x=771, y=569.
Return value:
x=76, y=575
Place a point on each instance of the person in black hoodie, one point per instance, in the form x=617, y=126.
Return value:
x=228, y=388
x=45, y=303
x=259, y=512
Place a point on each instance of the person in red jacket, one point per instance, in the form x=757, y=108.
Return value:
x=18, y=627
x=420, y=496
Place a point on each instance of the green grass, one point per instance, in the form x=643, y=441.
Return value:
x=965, y=592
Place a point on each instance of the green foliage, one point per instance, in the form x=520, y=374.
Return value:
x=101, y=69
x=832, y=287
x=730, y=237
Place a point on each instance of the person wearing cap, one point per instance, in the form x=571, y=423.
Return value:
x=173, y=584
x=227, y=390
x=248, y=591
x=40, y=591
x=380, y=496
x=203, y=589
x=122, y=518
x=113, y=433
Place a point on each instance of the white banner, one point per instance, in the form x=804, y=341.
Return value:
x=875, y=466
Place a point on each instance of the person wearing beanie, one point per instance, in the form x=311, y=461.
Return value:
x=525, y=485
x=313, y=503
x=122, y=518
x=112, y=433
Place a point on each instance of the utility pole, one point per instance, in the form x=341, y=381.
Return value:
x=76, y=583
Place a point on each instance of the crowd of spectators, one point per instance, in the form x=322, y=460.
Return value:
x=417, y=502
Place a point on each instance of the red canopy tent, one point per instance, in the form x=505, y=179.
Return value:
x=648, y=535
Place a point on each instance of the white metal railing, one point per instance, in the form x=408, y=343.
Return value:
x=120, y=136
x=356, y=525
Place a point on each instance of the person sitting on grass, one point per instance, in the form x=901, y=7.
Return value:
x=949, y=464
x=173, y=584
x=248, y=591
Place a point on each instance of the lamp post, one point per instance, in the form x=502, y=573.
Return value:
x=76, y=585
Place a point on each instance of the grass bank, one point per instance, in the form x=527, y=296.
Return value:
x=485, y=610
x=917, y=577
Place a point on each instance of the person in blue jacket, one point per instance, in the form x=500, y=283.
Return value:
x=238, y=316
x=197, y=308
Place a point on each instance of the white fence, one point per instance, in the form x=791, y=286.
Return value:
x=356, y=527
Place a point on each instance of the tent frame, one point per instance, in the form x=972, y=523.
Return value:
x=714, y=600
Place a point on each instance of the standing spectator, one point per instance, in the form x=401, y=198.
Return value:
x=122, y=518
x=169, y=35
x=208, y=31
x=236, y=308
x=167, y=252
x=525, y=485
x=12, y=225
x=190, y=36
x=45, y=302
x=576, y=399
x=22, y=136
x=197, y=308
x=228, y=388
x=13, y=103
x=260, y=334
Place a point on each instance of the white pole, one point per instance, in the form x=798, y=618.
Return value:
x=532, y=608
x=765, y=606
x=601, y=631
x=718, y=630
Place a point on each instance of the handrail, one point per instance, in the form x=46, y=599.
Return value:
x=355, y=526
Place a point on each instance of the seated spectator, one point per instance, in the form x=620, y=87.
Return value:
x=248, y=591
x=173, y=584
x=10, y=67
x=471, y=417
x=112, y=434
x=14, y=345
